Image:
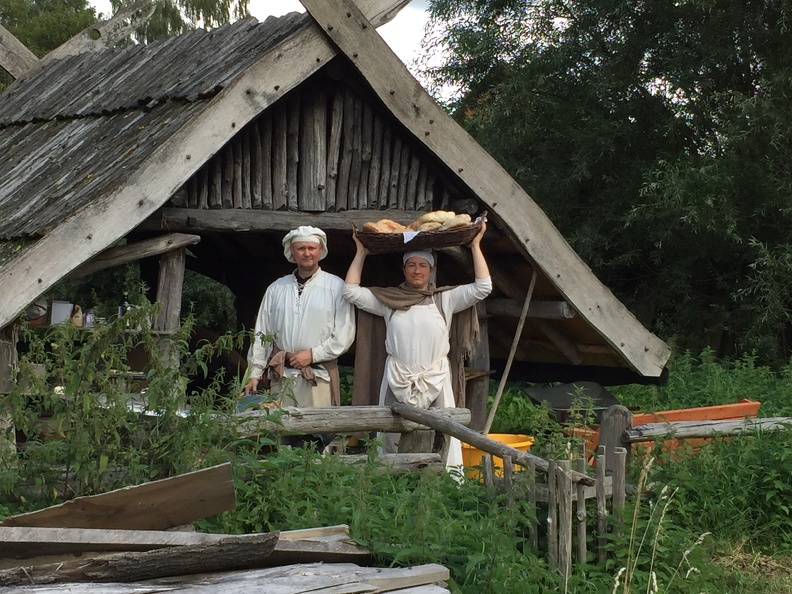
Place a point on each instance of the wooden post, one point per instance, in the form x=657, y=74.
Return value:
x=417, y=441
x=530, y=475
x=169, y=295
x=564, y=487
x=476, y=392
x=619, y=482
x=9, y=360
x=580, y=515
x=615, y=420
x=488, y=470
x=515, y=342
x=552, y=517
x=508, y=478
x=602, y=507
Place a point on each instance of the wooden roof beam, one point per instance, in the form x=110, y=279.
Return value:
x=15, y=57
x=116, y=256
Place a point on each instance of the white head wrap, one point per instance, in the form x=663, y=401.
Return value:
x=425, y=254
x=304, y=233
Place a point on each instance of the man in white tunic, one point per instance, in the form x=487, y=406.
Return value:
x=311, y=323
x=418, y=319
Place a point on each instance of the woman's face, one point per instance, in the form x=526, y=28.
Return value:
x=417, y=272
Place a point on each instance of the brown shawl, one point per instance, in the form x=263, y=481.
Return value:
x=370, y=343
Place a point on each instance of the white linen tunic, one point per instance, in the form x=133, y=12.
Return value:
x=417, y=344
x=318, y=319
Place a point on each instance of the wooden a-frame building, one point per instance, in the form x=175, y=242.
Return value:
x=223, y=140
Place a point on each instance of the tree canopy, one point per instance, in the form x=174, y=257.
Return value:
x=656, y=135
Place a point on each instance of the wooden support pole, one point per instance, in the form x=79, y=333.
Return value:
x=564, y=488
x=515, y=342
x=615, y=420
x=530, y=476
x=602, y=507
x=619, y=483
x=580, y=514
x=552, y=516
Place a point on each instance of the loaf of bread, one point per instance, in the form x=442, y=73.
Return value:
x=460, y=220
x=439, y=220
x=384, y=226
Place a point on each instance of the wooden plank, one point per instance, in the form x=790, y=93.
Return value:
x=15, y=57
x=265, y=129
x=150, y=185
x=334, y=150
x=366, y=150
x=398, y=463
x=293, y=151
x=135, y=251
x=564, y=488
x=395, y=167
x=542, y=309
x=280, y=184
x=225, y=554
x=345, y=163
x=186, y=220
x=290, y=551
x=256, y=166
x=345, y=419
x=157, y=505
x=237, y=191
x=695, y=429
x=203, y=187
x=602, y=508
x=227, y=159
x=619, y=484
x=246, y=174
x=372, y=192
x=356, y=155
x=509, y=205
x=313, y=145
x=26, y=541
x=317, y=533
x=385, y=167
x=580, y=510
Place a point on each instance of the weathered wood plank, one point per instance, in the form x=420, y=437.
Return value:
x=696, y=429
x=398, y=463
x=236, y=151
x=151, y=506
x=395, y=167
x=372, y=192
x=169, y=290
x=267, y=172
x=256, y=166
x=15, y=57
x=186, y=220
x=246, y=173
x=135, y=251
x=345, y=419
x=334, y=150
x=227, y=159
x=366, y=149
x=293, y=152
x=313, y=133
x=345, y=164
x=543, y=309
x=228, y=553
x=280, y=184
x=356, y=156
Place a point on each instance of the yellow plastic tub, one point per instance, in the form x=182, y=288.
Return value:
x=471, y=456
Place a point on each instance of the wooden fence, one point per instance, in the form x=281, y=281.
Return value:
x=557, y=489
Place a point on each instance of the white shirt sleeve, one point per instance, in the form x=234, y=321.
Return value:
x=364, y=299
x=260, y=350
x=342, y=335
x=464, y=296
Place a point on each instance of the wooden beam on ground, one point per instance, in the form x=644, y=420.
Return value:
x=398, y=463
x=542, y=309
x=224, y=554
x=195, y=220
x=334, y=419
x=692, y=429
x=131, y=252
x=429, y=418
x=157, y=505
x=15, y=57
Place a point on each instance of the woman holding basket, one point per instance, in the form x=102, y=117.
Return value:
x=419, y=321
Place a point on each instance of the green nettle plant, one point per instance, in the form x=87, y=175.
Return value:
x=86, y=421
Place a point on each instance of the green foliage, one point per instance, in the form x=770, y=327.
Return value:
x=73, y=405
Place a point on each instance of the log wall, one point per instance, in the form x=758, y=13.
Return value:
x=320, y=149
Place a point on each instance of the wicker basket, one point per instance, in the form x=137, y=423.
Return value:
x=383, y=243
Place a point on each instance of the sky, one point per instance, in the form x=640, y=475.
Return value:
x=403, y=34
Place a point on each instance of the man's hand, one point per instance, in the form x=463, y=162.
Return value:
x=300, y=359
x=253, y=383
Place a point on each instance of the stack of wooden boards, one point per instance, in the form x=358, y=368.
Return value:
x=138, y=539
